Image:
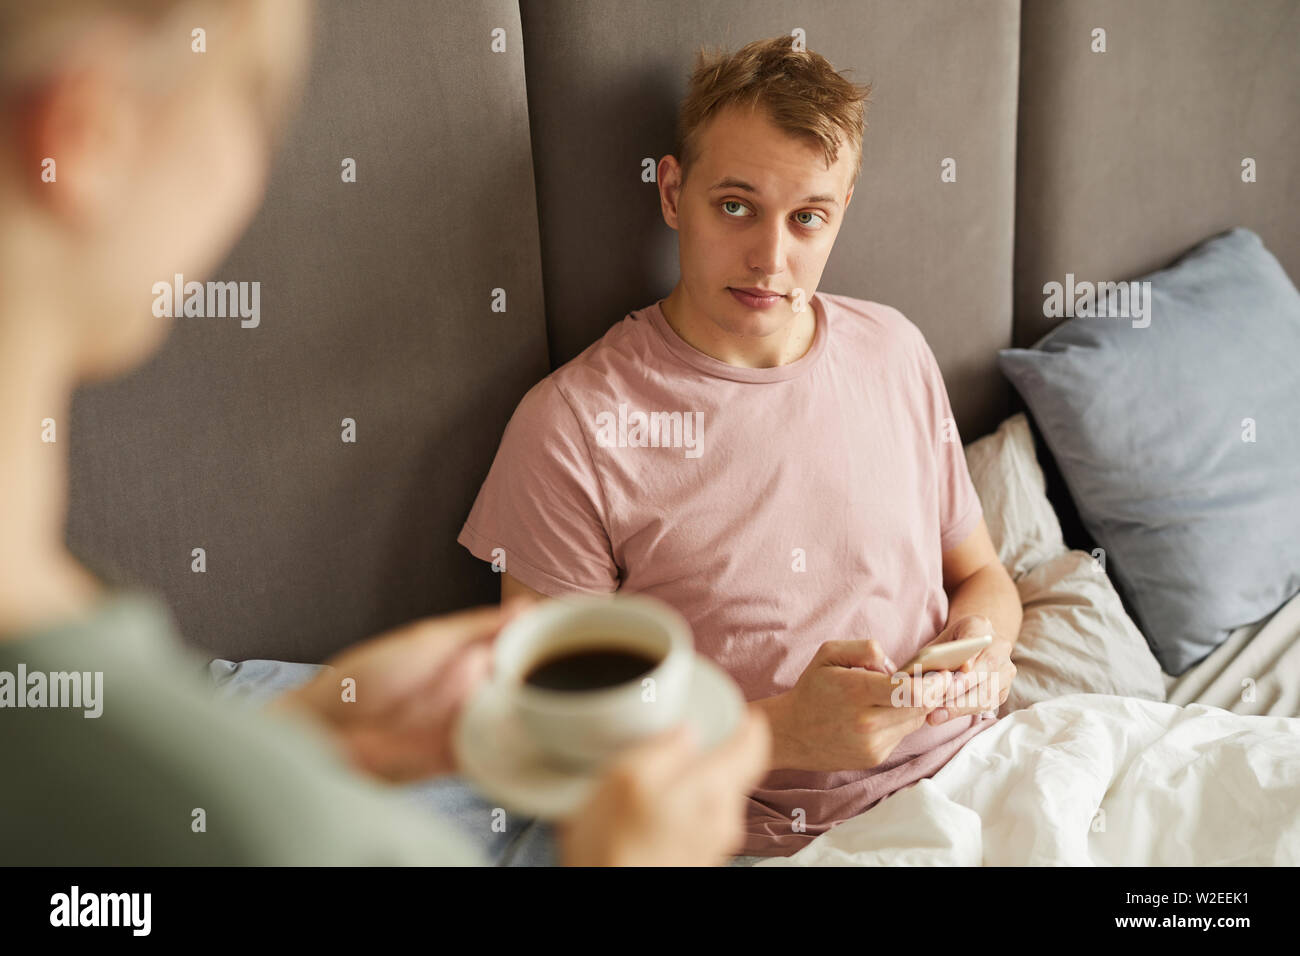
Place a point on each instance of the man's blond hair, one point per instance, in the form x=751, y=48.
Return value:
x=798, y=90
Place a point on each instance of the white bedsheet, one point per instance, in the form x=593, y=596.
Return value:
x=1255, y=671
x=1175, y=786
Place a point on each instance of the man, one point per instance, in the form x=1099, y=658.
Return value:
x=779, y=464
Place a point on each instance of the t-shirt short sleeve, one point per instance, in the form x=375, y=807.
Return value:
x=959, y=504
x=540, y=515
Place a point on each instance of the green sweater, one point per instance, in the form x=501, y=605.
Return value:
x=122, y=788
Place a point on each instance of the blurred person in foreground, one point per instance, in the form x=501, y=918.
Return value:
x=161, y=159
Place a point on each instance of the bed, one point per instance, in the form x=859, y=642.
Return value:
x=1098, y=758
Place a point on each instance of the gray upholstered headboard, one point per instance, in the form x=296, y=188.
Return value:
x=499, y=150
x=1129, y=157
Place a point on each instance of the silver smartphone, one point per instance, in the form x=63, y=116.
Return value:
x=947, y=656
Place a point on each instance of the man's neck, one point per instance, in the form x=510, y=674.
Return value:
x=39, y=580
x=786, y=344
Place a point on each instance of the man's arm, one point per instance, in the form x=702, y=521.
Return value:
x=512, y=586
x=977, y=583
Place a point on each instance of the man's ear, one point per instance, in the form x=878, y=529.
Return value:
x=848, y=199
x=668, y=175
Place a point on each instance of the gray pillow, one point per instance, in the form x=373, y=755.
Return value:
x=1178, y=435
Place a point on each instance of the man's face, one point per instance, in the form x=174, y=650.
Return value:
x=760, y=210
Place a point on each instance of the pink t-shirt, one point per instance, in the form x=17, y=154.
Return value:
x=775, y=508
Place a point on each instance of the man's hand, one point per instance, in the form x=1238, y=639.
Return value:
x=841, y=714
x=981, y=684
x=409, y=686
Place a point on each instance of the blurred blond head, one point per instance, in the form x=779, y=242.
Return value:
x=129, y=154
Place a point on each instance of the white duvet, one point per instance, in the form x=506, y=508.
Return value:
x=1092, y=779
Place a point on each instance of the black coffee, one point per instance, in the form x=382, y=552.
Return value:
x=590, y=668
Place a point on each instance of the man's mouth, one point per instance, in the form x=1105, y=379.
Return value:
x=755, y=298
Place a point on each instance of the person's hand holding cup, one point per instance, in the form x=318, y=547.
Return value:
x=601, y=685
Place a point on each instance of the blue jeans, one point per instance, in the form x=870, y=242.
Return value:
x=504, y=840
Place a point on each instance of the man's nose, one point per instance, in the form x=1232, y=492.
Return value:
x=768, y=251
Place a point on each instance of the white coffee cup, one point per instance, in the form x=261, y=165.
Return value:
x=583, y=729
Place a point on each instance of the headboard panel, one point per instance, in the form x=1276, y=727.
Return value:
x=377, y=306
x=1130, y=157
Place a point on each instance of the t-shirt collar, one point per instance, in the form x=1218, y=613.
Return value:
x=719, y=369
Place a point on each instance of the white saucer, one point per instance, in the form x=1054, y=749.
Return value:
x=497, y=754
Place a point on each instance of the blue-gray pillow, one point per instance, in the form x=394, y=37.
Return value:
x=1178, y=434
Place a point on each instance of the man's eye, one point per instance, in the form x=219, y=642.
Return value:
x=815, y=223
